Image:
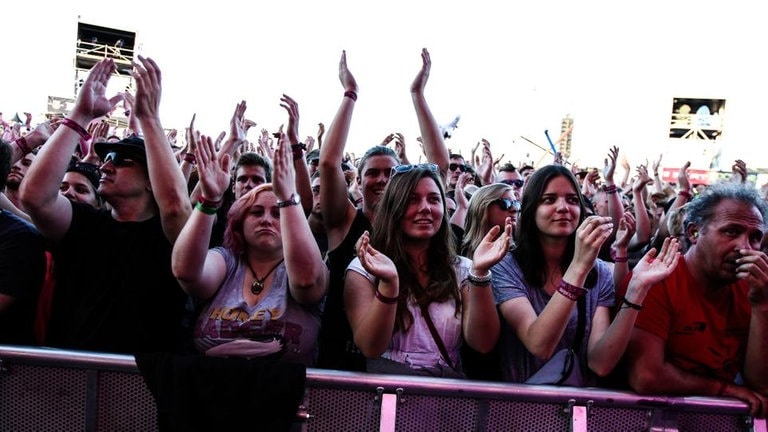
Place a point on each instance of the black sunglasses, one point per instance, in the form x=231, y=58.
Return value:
x=516, y=183
x=507, y=204
x=455, y=166
x=119, y=160
x=400, y=169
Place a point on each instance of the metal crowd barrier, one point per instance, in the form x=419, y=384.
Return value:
x=60, y=390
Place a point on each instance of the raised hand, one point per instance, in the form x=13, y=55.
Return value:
x=265, y=145
x=656, y=165
x=653, y=268
x=292, y=107
x=739, y=169
x=459, y=196
x=625, y=231
x=148, y=88
x=421, y=78
x=190, y=134
x=92, y=101
x=610, y=164
x=309, y=141
x=320, y=133
x=400, y=147
x=284, y=174
x=387, y=139
x=642, y=179
x=683, y=182
x=345, y=76
x=590, y=236
x=485, y=168
x=237, y=129
x=213, y=169
x=493, y=247
x=375, y=262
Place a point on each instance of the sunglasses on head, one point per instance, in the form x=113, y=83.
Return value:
x=119, y=160
x=516, y=183
x=400, y=169
x=507, y=204
x=455, y=166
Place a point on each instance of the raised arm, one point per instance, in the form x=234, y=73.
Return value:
x=432, y=137
x=639, y=194
x=303, y=184
x=200, y=271
x=657, y=183
x=615, y=207
x=51, y=211
x=683, y=196
x=338, y=212
x=168, y=185
x=480, y=321
x=609, y=338
x=624, y=233
x=307, y=273
x=39, y=135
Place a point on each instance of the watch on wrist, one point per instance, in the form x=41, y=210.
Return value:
x=294, y=199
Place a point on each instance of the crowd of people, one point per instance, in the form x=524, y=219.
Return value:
x=294, y=250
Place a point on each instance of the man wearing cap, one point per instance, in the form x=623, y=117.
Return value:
x=114, y=288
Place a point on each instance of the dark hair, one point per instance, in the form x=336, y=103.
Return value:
x=387, y=237
x=507, y=167
x=375, y=151
x=255, y=159
x=701, y=210
x=5, y=162
x=455, y=156
x=529, y=253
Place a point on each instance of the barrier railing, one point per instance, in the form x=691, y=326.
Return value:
x=61, y=390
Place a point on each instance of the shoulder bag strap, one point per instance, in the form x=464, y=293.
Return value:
x=581, y=323
x=436, y=336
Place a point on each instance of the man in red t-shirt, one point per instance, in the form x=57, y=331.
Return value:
x=704, y=329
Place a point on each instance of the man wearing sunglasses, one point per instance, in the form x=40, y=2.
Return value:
x=508, y=175
x=114, y=288
x=456, y=167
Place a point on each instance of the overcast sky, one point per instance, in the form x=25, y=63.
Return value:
x=510, y=69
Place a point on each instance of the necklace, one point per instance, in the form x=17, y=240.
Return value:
x=258, y=283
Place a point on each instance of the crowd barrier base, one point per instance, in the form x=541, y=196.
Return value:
x=61, y=390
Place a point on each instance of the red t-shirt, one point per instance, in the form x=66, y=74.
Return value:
x=705, y=333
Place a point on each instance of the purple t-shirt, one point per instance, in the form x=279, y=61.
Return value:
x=228, y=326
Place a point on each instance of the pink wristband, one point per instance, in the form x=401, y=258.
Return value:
x=77, y=128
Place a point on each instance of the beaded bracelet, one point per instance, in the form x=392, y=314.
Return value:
x=351, y=94
x=479, y=281
x=77, y=128
x=609, y=189
x=384, y=299
x=569, y=291
x=618, y=259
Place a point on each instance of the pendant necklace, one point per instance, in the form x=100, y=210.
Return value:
x=258, y=284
